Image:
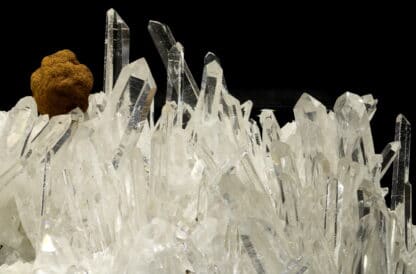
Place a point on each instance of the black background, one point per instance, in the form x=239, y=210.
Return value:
x=271, y=53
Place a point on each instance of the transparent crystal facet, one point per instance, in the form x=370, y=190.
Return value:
x=117, y=48
x=164, y=41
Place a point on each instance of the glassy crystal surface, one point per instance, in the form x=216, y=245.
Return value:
x=117, y=48
x=402, y=162
x=204, y=188
x=164, y=41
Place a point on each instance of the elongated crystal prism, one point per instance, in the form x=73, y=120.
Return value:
x=175, y=80
x=211, y=86
x=164, y=41
x=401, y=164
x=117, y=48
x=175, y=74
x=331, y=221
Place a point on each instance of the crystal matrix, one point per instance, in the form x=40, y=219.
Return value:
x=204, y=189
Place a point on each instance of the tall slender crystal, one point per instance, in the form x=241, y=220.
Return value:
x=401, y=188
x=212, y=84
x=164, y=41
x=117, y=48
x=401, y=164
x=175, y=71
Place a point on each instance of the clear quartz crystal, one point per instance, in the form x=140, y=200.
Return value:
x=370, y=105
x=401, y=188
x=402, y=161
x=164, y=41
x=117, y=48
x=204, y=188
x=175, y=80
x=136, y=98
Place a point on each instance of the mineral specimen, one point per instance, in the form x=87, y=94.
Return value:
x=205, y=189
x=61, y=84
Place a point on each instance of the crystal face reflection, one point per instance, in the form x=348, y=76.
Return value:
x=204, y=188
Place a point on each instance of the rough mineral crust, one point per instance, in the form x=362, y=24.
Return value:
x=61, y=84
x=204, y=188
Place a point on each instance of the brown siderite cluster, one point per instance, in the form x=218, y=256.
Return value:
x=61, y=84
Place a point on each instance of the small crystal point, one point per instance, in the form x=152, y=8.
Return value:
x=310, y=108
x=213, y=68
x=246, y=107
x=270, y=126
x=311, y=116
x=211, y=86
x=209, y=57
x=211, y=60
x=350, y=108
x=117, y=48
x=370, y=104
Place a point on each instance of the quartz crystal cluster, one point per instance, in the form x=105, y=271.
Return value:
x=204, y=188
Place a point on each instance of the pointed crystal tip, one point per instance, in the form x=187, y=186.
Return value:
x=306, y=98
x=153, y=24
x=401, y=118
x=209, y=57
x=113, y=14
x=368, y=99
x=350, y=104
x=140, y=69
x=309, y=106
x=213, y=68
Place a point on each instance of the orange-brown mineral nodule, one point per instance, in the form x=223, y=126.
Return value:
x=61, y=84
